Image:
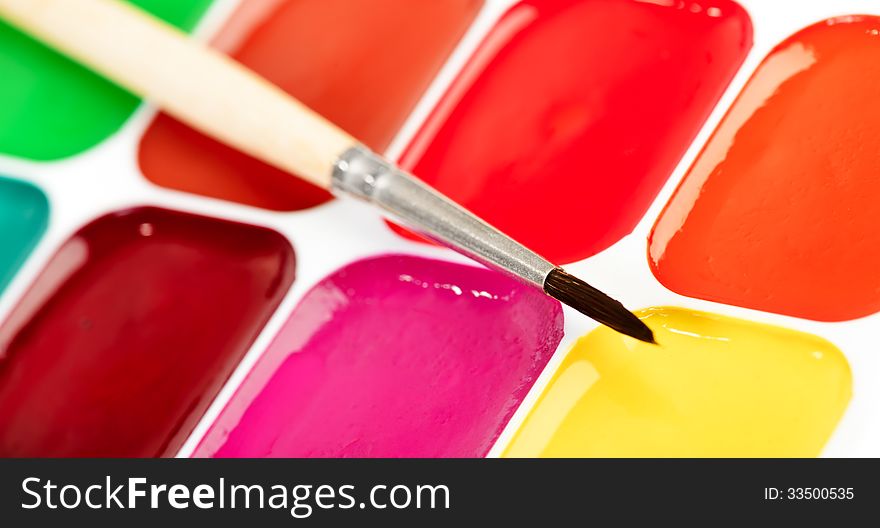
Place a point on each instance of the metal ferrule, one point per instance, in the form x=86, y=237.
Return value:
x=361, y=173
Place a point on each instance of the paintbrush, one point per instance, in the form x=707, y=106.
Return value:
x=221, y=98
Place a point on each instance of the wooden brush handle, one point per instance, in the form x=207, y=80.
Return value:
x=194, y=83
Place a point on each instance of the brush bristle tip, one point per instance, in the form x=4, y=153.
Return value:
x=596, y=305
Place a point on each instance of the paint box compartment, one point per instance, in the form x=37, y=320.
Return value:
x=778, y=212
x=715, y=387
x=53, y=108
x=24, y=214
x=574, y=113
x=393, y=356
x=365, y=84
x=133, y=326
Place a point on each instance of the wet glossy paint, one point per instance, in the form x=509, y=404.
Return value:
x=24, y=215
x=129, y=332
x=393, y=357
x=363, y=64
x=51, y=107
x=715, y=387
x=779, y=211
x=571, y=115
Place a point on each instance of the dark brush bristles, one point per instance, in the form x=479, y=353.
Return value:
x=589, y=301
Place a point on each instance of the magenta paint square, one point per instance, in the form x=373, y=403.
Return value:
x=393, y=356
